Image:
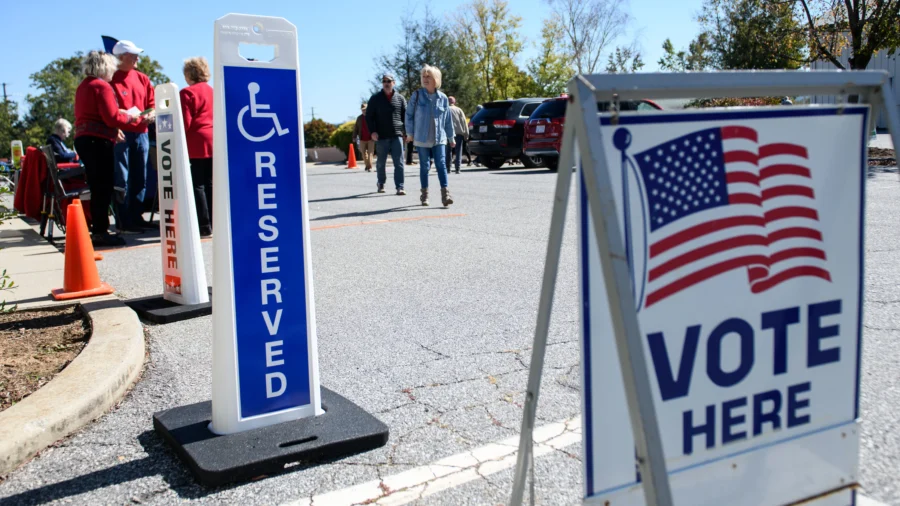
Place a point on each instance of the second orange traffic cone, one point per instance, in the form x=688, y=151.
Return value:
x=80, y=277
x=351, y=163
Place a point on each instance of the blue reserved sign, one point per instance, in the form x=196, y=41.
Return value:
x=266, y=208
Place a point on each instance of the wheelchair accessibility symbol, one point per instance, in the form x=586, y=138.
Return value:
x=256, y=112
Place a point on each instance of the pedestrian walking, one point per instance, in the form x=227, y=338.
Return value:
x=133, y=91
x=98, y=121
x=384, y=116
x=460, y=131
x=430, y=129
x=197, y=113
x=363, y=138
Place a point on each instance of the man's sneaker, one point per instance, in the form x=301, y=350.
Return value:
x=401, y=191
x=381, y=188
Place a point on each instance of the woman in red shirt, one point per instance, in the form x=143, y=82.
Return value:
x=197, y=111
x=97, y=123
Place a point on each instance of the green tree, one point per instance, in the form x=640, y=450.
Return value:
x=864, y=27
x=488, y=36
x=695, y=58
x=624, y=60
x=153, y=70
x=10, y=126
x=551, y=69
x=753, y=34
x=317, y=132
x=56, y=84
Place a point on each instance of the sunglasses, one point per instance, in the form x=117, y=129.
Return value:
x=385, y=82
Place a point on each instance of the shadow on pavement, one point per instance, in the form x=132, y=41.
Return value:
x=376, y=212
x=348, y=197
x=160, y=461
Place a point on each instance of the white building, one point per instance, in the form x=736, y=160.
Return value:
x=881, y=61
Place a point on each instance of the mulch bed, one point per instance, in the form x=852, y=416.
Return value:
x=35, y=346
x=880, y=157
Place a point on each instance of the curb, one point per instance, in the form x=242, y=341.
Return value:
x=88, y=387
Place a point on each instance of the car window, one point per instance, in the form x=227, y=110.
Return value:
x=644, y=106
x=492, y=111
x=550, y=109
x=529, y=108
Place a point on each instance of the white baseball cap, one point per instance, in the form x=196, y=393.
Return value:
x=126, y=46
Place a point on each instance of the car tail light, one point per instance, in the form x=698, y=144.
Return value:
x=470, y=124
x=504, y=123
x=558, y=121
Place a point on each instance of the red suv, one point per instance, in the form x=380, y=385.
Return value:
x=544, y=128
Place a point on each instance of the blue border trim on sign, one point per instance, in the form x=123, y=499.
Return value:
x=862, y=238
x=724, y=115
x=586, y=310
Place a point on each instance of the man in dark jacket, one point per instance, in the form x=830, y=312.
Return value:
x=384, y=117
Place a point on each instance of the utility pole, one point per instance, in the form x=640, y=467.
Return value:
x=313, y=113
x=4, y=93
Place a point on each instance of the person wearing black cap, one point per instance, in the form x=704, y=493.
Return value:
x=385, y=114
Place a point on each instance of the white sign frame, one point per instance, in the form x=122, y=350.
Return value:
x=185, y=238
x=582, y=127
x=231, y=31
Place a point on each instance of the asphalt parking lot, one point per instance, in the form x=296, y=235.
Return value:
x=425, y=318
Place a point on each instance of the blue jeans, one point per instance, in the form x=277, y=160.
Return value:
x=394, y=145
x=131, y=174
x=439, y=153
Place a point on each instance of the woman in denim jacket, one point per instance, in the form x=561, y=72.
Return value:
x=429, y=127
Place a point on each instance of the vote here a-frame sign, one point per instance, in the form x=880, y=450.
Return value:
x=265, y=365
x=721, y=268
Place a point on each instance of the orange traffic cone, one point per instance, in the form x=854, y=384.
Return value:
x=351, y=164
x=80, y=278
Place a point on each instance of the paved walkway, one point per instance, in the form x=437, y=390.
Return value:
x=425, y=318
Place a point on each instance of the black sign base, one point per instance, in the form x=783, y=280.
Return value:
x=156, y=309
x=344, y=429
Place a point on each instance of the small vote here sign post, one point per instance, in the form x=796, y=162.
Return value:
x=264, y=350
x=743, y=235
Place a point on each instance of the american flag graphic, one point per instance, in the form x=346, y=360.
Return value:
x=165, y=123
x=717, y=200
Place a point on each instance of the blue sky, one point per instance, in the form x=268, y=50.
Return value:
x=339, y=40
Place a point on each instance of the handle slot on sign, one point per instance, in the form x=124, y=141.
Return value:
x=305, y=440
x=163, y=104
x=257, y=52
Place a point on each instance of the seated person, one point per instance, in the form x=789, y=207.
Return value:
x=61, y=130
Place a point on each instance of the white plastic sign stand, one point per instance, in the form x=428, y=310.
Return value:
x=721, y=262
x=184, y=291
x=268, y=410
x=265, y=326
x=184, y=277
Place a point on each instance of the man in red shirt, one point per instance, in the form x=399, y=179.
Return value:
x=364, y=138
x=133, y=90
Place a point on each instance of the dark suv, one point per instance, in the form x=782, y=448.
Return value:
x=543, y=130
x=496, y=131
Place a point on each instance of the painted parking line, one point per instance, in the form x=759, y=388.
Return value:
x=459, y=469
x=453, y=471
x=156, y=244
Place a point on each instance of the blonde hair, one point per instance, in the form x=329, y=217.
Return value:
x=435, y=73
x=99, y=64
x=197, y=69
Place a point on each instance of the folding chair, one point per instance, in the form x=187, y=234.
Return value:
x=52, y=210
